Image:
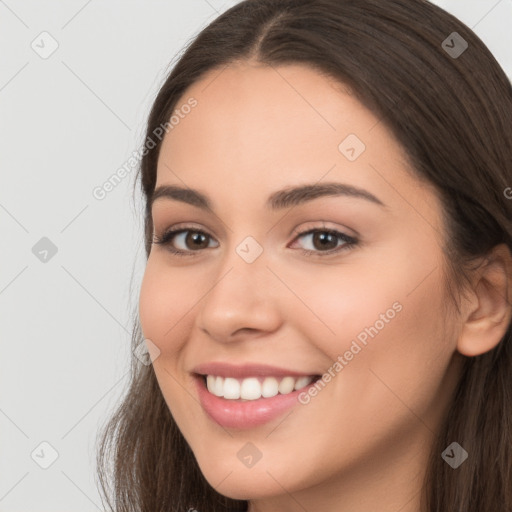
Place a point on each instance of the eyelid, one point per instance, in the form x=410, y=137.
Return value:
x=341, y=233
x=298, y=230
x=192, y=226
x=303, y=229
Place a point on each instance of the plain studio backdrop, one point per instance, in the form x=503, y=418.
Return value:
x=76, y=82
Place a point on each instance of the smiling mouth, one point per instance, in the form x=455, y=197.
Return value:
x=255, y=388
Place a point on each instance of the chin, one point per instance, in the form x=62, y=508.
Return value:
x=244, y=485
x=231, y=478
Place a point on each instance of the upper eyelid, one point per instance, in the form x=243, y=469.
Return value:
x=176, y=229
x=296, y=231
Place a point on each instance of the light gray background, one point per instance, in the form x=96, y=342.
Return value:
x=67, y=123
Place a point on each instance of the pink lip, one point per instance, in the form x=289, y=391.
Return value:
x=247, y=414
x=246, y=370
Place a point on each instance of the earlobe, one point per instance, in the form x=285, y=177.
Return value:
x=489, y=311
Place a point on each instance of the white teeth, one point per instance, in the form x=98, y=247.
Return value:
x=270, y=387
x=231, y=388
x=253, y=388
x=302, y=382
x=218, y=388
x=286, y=386
x=250, y=389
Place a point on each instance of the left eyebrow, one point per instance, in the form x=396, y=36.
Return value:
x=293, y=196
x=285, y=198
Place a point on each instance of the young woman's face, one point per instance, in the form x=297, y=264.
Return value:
x=364, y=309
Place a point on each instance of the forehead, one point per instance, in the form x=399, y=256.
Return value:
x=258, y=111
x=258, y=128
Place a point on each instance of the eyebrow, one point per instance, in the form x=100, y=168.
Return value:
x=285, y=198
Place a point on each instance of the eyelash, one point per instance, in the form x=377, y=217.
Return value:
x=166, y=238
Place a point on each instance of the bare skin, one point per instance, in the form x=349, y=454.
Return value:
x=362, y=442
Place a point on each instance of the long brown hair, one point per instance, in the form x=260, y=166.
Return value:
x=453, y=116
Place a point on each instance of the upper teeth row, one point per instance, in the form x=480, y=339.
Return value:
x=251, y=388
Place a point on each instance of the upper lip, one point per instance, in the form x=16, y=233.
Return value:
x=246, y=370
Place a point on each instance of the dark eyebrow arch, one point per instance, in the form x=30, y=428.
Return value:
x=285, y=198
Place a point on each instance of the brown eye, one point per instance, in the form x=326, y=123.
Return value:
x=181, y=241
x=196, y=240
x=324, y=240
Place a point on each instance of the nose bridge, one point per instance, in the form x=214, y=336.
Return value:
x=241, y=294
x=245, y=261
x=242, y=273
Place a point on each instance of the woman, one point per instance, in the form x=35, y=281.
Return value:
x=327, y=297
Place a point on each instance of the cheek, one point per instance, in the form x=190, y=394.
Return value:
x=152, y=304
x=164, y=300
x=394, y=307
x=388, y=330
x=165, y=303
x=338, y=306
x=403, y=358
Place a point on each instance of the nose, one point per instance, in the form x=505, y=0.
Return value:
x=242, y=301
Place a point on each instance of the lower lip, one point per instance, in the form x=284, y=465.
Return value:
x=243, y=415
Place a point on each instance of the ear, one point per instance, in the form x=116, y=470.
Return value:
x=489, y=310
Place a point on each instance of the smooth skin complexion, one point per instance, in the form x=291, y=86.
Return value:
x=362, y=443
